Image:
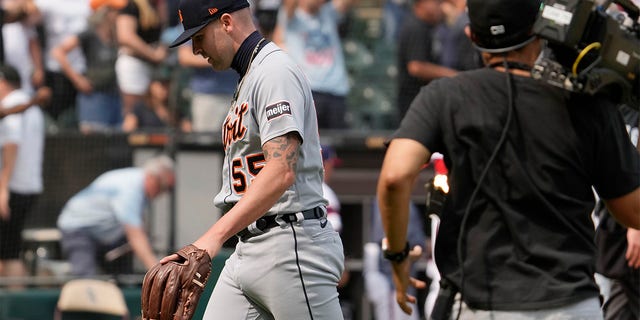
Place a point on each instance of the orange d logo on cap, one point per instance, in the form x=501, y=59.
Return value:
x=212, y=11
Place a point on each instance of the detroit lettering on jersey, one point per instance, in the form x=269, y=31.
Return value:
x=233, y=129
x=278, y=109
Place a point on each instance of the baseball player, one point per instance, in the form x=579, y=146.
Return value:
x=289, y=258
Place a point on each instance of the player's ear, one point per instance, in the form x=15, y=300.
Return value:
x=225, y=19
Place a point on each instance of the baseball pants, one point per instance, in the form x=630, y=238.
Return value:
x=289, y=272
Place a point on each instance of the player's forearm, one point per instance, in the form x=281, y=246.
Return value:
x=277, y=175
x=262, y=194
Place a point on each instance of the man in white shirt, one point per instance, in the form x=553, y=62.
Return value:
x=22, y=145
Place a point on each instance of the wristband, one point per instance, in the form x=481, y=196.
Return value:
x=396, y=257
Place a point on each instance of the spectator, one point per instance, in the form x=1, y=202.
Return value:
x=329, y=161
x=13, y=11
x=457, y=50
x=152, y=112
x=211, y=91
x=618, y=251
x=22, y=141
x=394, y=12
x=22, y=49
x=108, y=214
x=60, y=20
x=522, y=158
x=418, y=57
x=41, y=98
x=266, y=13
x=377, y=273
x=308, y=30
x=98, y=104
x=139, y=29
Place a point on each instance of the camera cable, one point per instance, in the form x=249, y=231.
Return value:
x=494, y=153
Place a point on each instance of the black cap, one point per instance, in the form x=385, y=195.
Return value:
x=10, y=74
x=502, y=25
x=196, y=14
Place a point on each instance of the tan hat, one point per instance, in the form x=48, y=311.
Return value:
x=115, y=4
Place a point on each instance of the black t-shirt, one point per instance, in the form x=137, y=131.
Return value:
x=529, y=237
x=611, y=237
x=101, y=58
x=415, y=43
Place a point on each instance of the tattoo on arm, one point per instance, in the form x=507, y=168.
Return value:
x=285, y=147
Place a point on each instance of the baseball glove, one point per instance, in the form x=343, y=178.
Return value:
x=172, y=290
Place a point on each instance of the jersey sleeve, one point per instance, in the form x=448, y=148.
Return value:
x=280, y=103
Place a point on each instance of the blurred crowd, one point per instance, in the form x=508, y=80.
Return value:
x=109, y=69
x=106, y=67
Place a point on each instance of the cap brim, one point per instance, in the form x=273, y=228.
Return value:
x=187, y=34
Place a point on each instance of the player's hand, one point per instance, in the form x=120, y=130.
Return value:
x=174, y=257
x=633, y=248
x=402, y=280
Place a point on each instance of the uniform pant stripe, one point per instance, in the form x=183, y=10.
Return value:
x=304, y=289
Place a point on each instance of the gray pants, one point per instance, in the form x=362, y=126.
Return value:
x=624, y=299
x=583, y=310
x=286, y=273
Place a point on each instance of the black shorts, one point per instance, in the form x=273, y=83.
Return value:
x=11, y=230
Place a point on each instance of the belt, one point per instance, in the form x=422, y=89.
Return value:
x=265, y=223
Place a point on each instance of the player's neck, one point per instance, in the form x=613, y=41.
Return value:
x=243, y=57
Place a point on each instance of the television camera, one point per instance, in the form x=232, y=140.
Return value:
x=592, y=50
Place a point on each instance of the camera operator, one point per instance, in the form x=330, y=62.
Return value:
x=516, y=238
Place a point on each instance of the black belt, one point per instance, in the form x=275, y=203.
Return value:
x=265, y=223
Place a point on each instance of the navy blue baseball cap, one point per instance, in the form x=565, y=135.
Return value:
x=502, y=25
x=196, y=14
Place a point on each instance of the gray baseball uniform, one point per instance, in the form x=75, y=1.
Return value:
x=291, y=270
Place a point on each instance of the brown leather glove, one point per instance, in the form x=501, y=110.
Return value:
x=172, y=290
